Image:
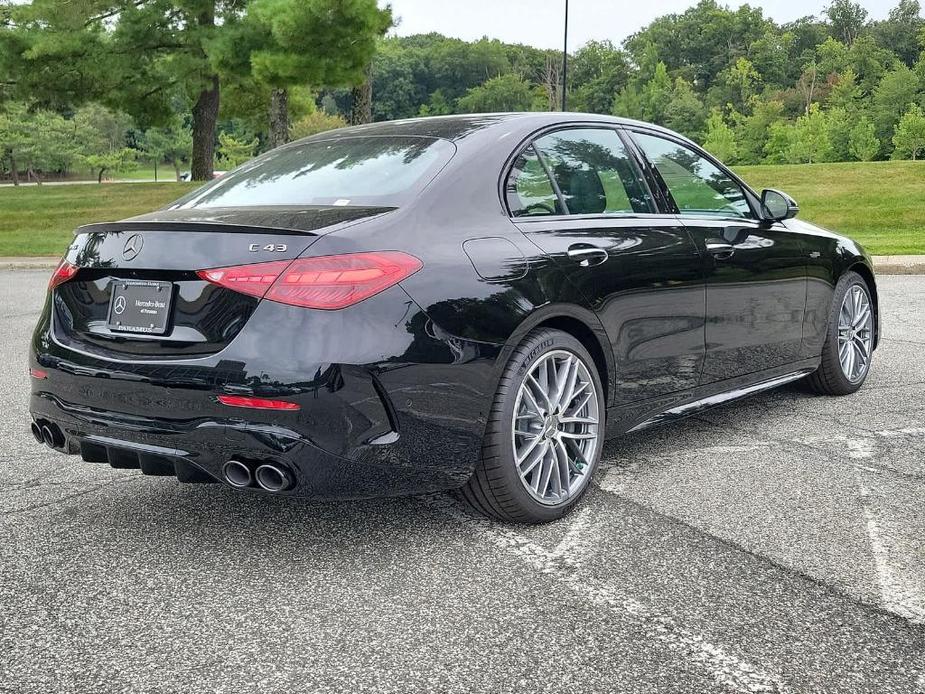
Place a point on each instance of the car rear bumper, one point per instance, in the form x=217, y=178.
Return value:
x=196, y=451
x=400, y=414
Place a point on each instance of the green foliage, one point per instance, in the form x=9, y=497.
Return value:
x=685, y=112
x=909, y=140
x=720, y=140
x=233, y=152
x=316, y=122
x=172, y=143
x=808, y=90
x=810, y=142
x=508, y=92
x=862, y=141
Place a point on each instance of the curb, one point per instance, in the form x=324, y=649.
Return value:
x=883, y=264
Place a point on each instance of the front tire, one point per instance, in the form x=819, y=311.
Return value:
x=849, y=342
x=544, y=433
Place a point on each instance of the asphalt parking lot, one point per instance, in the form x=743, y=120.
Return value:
x=777, y=544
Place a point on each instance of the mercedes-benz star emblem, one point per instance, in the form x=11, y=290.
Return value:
x=132, y=246
x=120, y=305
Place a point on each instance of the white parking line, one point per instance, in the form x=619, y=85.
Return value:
x=725, y=668
x=898, y=592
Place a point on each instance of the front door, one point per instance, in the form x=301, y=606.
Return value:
x=755, y=271
x=579, y=196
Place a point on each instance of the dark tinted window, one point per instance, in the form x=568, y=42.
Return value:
x=528, y=189
x=383, y=171
x=594, y=172
x=697, y=185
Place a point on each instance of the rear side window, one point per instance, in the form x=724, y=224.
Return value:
x=697, y=185
x=593, y=171
x=346, y=171
x=529, y=191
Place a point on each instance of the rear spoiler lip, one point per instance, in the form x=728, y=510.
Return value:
x=226, y=227
x=295, y=229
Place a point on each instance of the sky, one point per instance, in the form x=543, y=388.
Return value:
x=539, y=22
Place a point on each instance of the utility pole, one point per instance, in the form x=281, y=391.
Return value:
x=565, y=61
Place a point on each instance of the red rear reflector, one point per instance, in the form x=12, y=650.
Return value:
x=38, y=373
x=64, y=272
x=256, y=403
x=327, y=282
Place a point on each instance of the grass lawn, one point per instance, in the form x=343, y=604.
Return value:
x=40, y=220
x=879, y=204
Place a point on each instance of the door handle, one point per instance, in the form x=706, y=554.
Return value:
x=586, y=254
x=720, y=249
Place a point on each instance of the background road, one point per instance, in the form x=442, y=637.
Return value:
x=776, y=544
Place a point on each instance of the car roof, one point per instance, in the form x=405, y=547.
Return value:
x=459, y=127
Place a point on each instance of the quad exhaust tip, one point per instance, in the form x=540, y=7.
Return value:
x=237, y=474
x=48, y=433
x=273, y=478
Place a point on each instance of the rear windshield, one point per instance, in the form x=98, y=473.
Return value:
x=348, y=171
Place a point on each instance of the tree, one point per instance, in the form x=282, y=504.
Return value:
x=862, y=141
x=754, y=130
x=131, y=55
x=284, y=43
x=720, y=140
x=14, y=136
x=898, y=88
x=597, y=72
x=361, y=107
x=232, y=151
x=314, y=123
x=909, y=140
x=810, y=141
x=839, y=123
x=172, y=143
x=116, y=160
x=847, y=19
x=685, y=112
x=503, y=93
x=900, y=31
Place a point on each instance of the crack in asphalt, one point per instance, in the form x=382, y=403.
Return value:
x=64, y=499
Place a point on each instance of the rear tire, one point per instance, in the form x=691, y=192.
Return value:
x=834, y=376
x=557, y=438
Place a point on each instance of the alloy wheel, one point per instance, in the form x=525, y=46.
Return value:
x=855, y=334
x=555, y=430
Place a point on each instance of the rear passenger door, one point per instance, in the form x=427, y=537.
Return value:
x=755, y=271
x=579, y=195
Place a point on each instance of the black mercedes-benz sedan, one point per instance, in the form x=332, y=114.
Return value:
x=465, y=302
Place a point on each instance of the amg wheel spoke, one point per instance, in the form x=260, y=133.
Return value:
x=574, y=435
x=544, y=396
x=862, y=318
x=546, y=474
x=538, y=455
x=528, y=449
x=577, y=420
x=568, y=390
x=564, y=471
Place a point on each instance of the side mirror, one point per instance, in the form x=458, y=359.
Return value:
x=778, y=206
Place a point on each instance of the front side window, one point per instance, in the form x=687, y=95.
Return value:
x=594, y=172
x=345, y=171
x=697, y=185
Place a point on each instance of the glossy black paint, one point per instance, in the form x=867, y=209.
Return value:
x=394, y=391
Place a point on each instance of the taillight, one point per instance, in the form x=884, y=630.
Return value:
x=248, y=279
x=64, y=272
x=327, y=282
x=38, y=374
x=257, y=403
